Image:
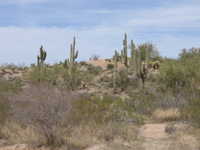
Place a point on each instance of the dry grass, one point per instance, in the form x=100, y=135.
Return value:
x=92, y=134
x=16, y=134
x=171, y=114
x=80, y=137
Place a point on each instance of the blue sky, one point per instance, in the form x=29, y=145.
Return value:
x=98, y=25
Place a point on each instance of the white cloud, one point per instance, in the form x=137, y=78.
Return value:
x=20, y=44
x=176, y=17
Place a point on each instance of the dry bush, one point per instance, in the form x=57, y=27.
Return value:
x=83, y=136
x=171, y=114
x=91, y=134
x=114, y=131
x=43, y=107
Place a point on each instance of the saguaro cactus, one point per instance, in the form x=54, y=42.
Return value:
x=142, y=61
x=115, y=59
x=124, y=52
x=70, y=64
x=41, y=57
x=40, y=62
x=133, y=56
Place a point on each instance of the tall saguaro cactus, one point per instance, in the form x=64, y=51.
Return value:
x=73, y=54
x=133, y=62
x=124, y=52
x=142, y=61
x=40, y=62
x=115, y=59
x=41, y=57
x=70, y=64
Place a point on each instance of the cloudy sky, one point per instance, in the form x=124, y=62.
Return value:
x=99, y=25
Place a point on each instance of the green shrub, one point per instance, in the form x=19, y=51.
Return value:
x=191, y=111
x=102, y=110
x=72, y=82
x=4, y=110
x=122, y=79
x=47, y=74
x=142, y=102
x=173, y=75
x=10, y=86
x=94, y=70
x=110, y=66
x=181, y=73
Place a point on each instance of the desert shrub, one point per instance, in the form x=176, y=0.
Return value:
x=45, y=108
x=101, y=110
x=181, y=73
x=53, y=75
x=72, y=80
x=83, y=63
x=111, y=131
x=110, y=66
x=173, y=75
x=94, y=70
x=94, y=57
x=4, y=113
x=10, y=86
x=191, y=111
x=142, y=101
x=148, y=49
x=122, y=79
x=13, y=66
x=38, y=75
x=189, y=53
x=4, y=110
x=59, y=76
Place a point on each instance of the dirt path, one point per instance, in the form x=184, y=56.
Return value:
x=154, y=131
x=155, y=137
